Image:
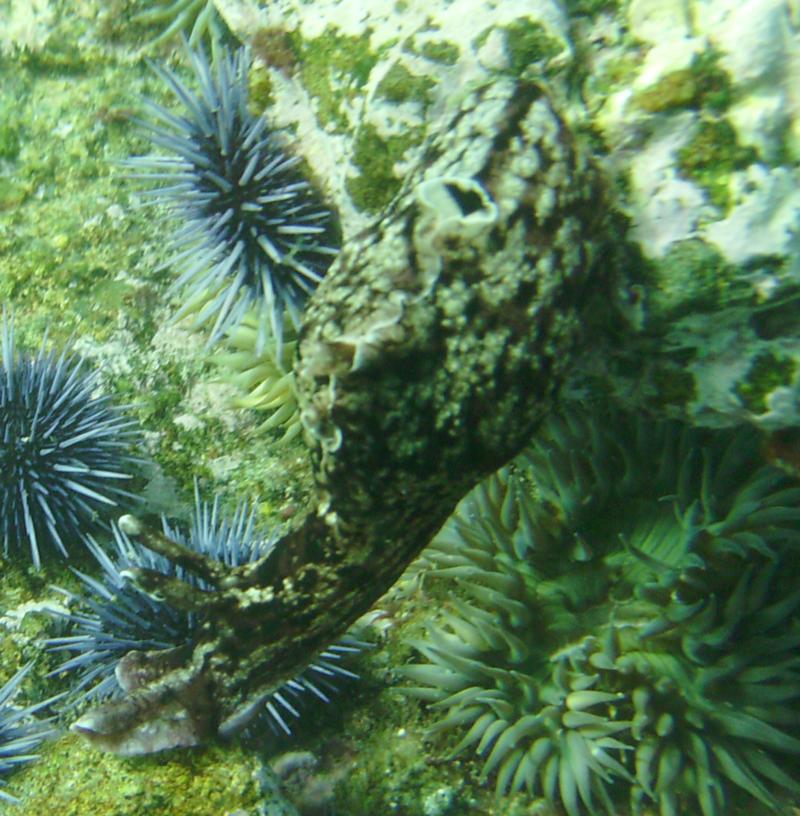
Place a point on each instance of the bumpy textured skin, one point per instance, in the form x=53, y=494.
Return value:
x=427, y=356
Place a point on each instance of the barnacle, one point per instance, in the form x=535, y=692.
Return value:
x=625, y=619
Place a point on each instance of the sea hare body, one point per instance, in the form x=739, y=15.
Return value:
x=427, y=357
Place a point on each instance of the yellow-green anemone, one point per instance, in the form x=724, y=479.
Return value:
x=265, y=376
x=624, y=622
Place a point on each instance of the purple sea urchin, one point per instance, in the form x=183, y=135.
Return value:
x=630, y=625
x=255, y=235
x=20, y=733
x=114, y=618
x=64, y=449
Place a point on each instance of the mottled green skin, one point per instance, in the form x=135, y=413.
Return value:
x=427, y=357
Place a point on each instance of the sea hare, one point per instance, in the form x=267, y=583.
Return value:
x=426, y=358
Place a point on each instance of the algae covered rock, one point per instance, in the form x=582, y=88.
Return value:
x=690, y=109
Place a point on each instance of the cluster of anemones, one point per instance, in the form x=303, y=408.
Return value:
x=625, y=620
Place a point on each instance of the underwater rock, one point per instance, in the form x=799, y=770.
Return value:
x=691, y=105
x=697, y=108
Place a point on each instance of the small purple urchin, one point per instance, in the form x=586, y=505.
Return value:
x=255, y=234
x=114, y=617
x=20, y=733
x=64, y=450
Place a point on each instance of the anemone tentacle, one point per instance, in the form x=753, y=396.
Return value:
x=266, y=378
x=625, y=619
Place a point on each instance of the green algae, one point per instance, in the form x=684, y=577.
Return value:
x=590, y=8
x=704, y=85
x=529, y=42
x=400, y=85
x=440, y=51
x=334, y=69
x=62, y=244
x=695, y=279
x=768, y=371
x=375, y=156
x=9, y=138
x=72, y=779
x=710, y=157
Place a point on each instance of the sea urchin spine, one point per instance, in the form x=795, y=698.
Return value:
x=115, y=623
x=255, y=236
x=20, y=733
x=64, y=450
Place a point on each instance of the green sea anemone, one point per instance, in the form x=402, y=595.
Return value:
x=198, y=19
x=265, y=376
x=625, y=622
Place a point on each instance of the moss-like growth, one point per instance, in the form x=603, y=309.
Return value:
x=693, y=278
x=767, y=372
x=375, y=156
x=334, y=68
x=712, y=155
x=589, y=8
x=12, y=195
x=71, y=780
x=9, y=139
x=440, y=51
x=260, y=89
x=276, y=48
x=400, y=85
x=529, y=42
x=703, y=85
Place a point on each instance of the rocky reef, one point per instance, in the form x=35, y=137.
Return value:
x=590, y=197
